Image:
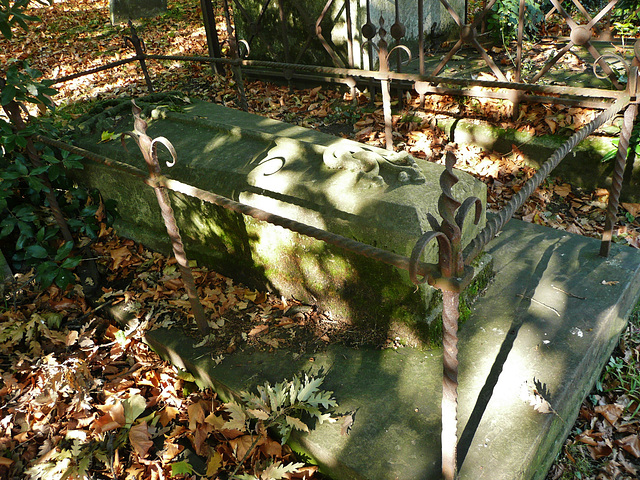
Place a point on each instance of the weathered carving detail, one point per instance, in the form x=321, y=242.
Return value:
x=369, y=165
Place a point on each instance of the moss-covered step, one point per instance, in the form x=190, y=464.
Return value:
x=361, y=192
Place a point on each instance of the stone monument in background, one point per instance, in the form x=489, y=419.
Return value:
x=286, y=31
x=122, y=11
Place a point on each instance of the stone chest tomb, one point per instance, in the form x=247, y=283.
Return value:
x=377, y=197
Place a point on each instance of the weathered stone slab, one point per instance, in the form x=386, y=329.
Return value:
x=365, y=193
x=125, y=10
x=547, y=323
x=583, y=167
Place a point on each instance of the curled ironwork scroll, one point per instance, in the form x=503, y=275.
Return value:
x=147, y=146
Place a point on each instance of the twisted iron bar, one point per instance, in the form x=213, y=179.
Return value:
x=616, y=179
x=147, y=146
x=427, y=270
x=448, y=233
x=449, y=436
x=495, y=224
x=124, y=167
x=447, y=207
x=619, y=165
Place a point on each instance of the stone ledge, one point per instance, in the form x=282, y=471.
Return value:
x=524, y=332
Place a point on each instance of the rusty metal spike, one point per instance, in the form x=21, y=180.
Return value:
x=139, y=125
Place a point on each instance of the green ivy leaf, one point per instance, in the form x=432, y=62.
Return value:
x=37, y=251
x=8, y=224
x=181, y=468
x=9, y=92
x=47, y=273
x=64, y=251
x=64, y=278
x=70, y=263
x=5, y=29
x=40, y=170
x=36, y=184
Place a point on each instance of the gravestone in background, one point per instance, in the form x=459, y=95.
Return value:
x=268, y=40
x=125, y=10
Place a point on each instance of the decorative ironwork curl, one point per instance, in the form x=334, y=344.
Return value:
x=416, y=253
x=148, y=147
x=627, y=67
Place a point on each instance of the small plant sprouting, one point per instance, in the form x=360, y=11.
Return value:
x=286, y=406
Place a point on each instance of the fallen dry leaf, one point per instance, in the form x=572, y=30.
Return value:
x=113, y=418
x=140, y=439
x=258, y=329
x=631, y=443
x=611, y=412
x=632, y=208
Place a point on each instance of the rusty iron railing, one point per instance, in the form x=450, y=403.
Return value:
x=452, y=273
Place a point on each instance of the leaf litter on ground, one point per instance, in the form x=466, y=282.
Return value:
x=72, y=381
x=89, y=397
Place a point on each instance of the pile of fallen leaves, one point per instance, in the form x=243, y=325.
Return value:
x=85, y=397
x=605, y=440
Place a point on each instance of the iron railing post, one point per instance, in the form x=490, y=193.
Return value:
x=138, y=45
x=147, y=146
x=369, y=31
x=235, y=57
x=213, y=44
x=629, y=118
x=454, y=276
x=383, y=58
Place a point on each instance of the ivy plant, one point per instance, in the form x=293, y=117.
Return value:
x=38, y=203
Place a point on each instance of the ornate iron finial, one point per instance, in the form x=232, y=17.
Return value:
x=448, y=232
x=453, y=277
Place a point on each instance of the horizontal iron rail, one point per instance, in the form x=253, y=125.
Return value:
x=437, y=85
x=495, y=224
x=125, y=167
x=376, y=75
x=428, y=270
x=101, y=68
x=578, y=101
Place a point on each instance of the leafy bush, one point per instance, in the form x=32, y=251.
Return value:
x=13, y=13
x=35, y=193
x=625, y=18
x=503, y=18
